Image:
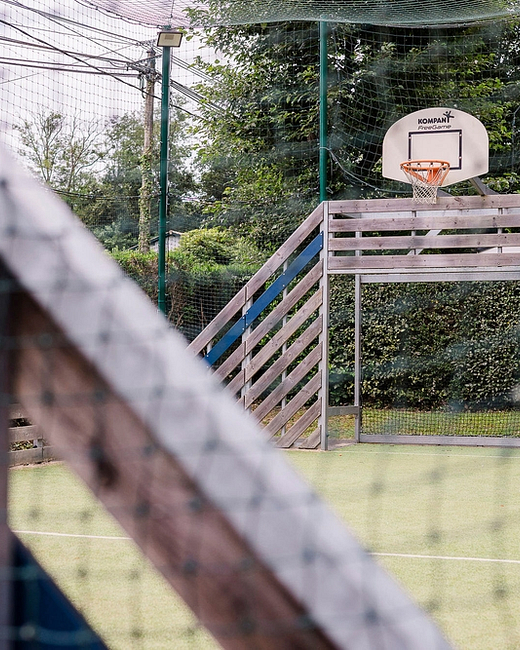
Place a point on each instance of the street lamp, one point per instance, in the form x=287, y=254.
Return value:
x=167, y=38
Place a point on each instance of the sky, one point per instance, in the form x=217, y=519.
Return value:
x=64, y=56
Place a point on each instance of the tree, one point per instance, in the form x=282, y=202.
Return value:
x=259, y=158
x=150, y=77
x=123, y=174
x=97, y=169
x=61, y=150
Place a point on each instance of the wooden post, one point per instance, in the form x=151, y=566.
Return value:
x=260, y=559
x=324, y=338
x=145, y=194
x=5, y=533
x=357, y=356
x=248, y=357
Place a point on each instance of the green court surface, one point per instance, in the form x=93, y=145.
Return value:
x=444, y=521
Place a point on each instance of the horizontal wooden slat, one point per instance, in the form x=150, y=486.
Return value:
x=334, y=411
x=463, y=221
x=411, y=242
x=285, y=306
x=444, y=275
x=256, y=282
x=287, y=384
x=397, y=262
x=30, y=456
x=24, y=434
x=443, y=203
x=281, y=364
x=283, y=335
x=297, y=402
x=292, y=435
x=428, y=214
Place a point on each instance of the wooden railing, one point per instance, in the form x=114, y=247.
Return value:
x=266, y=344
x=458, y=239
x=21, y=430
x=269, y=345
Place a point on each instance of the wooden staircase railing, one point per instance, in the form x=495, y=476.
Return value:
x=267, y=343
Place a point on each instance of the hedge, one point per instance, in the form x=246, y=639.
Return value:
x=195, y=292
x=444, y=345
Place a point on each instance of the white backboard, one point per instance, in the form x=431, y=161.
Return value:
x=437, y=134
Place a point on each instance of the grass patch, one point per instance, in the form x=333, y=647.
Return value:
x=435, y=502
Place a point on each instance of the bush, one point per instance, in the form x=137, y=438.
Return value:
x=202, y=276
x=452, y=345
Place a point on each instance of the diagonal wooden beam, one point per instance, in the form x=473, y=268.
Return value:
x=259, y=557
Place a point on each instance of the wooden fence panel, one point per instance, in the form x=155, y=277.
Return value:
x=289, y=438
x=281, y=391
x=283, y=335
x=258, y=280
x=310, y=389
x=281, y=364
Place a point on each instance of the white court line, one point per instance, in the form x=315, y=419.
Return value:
x=39, y=532
x=447, y=557
x=403, y=555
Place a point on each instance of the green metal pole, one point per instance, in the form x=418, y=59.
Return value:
x=163, y=172
x=323, y=110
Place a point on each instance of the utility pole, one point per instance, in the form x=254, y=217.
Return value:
x=149, y=76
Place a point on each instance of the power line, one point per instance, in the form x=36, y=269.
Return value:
x=64, y=52
x=27, y=45
x=190, y=94
x=64, y=68
x=45, y=14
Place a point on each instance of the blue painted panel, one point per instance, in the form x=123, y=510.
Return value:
x=265, y=299
x=40, y=607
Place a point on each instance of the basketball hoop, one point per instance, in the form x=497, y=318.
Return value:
x=425, y=177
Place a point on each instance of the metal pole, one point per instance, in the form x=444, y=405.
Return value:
x=324, y=337
x=163, y=203
x=323, y=110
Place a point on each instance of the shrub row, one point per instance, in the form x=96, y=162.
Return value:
x=195, y=291
x=451, y=345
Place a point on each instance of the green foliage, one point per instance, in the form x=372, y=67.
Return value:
x=216, y=246
x=61, y=149
x=259, y=155
x=96, y=169
x=203, y=274
x=428, y=346
x=141, y=267
x=197, y=292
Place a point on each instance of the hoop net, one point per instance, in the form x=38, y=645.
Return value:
x=425, y=177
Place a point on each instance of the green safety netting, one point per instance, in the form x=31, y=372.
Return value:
x=374, y=12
